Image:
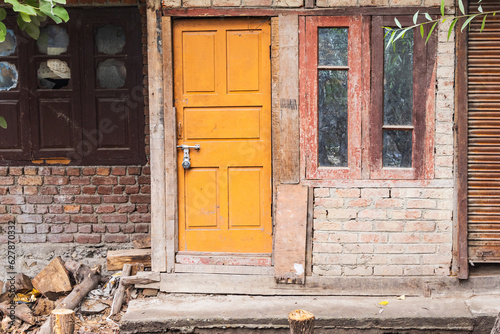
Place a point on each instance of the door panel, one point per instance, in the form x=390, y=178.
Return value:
x=223, y=103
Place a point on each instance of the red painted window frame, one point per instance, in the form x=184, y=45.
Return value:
x=309, y=112
x=423, y=104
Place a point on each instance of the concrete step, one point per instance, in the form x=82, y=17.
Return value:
x=228, y=314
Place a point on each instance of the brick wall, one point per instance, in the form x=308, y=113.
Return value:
x=77, y=211
x=400, y=230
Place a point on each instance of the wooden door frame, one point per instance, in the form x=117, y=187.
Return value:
x=164, y=183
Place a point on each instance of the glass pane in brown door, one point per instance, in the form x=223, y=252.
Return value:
x=110, y=40
x=53, y=40
x=8, y=76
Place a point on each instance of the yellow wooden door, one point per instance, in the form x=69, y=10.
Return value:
x=222, y=96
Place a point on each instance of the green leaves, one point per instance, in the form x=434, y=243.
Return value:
x=430, y=32
x=3, y=123
x=466, y=23
x=3, y=14
x=452, y=26
x=442, y=7
x=415, y=17
x=484, y=23
x=461, y=6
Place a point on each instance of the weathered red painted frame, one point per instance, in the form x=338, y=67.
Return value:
x=309, y=90
x=423, y=105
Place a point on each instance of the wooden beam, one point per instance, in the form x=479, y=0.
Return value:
x=221, y=269
x=156, y=126
x=309, y=231
x=460, y=252
x=289, y=154
x=170, y=189
x=117, y=258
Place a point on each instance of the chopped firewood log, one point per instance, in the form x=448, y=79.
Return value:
x=117, y=258
x=23, y=312
x=62, y=321
x=118, y=298
x=23, y=283
x=142, y=277
x=144, y=242
x=301, y=322
x=1, y=286
x=53, y=279
x=80, y=291
x=44, y=307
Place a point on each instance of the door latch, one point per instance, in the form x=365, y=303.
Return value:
x=186, y=162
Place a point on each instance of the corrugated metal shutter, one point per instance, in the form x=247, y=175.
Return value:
x=484, y=136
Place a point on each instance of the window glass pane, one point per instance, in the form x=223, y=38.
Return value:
x=53, y=40
x=332, y=48
x=111, y=73
x=8, y=46
x=8, y=76
x=332, y=118
x=110, y=39
x=53, y=74
x=398, y=81
x=397, y=148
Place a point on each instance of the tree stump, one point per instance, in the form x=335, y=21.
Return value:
x=496, y=326
x=301, y=322
x=62, y=321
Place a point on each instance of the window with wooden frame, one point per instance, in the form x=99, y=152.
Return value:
x=332, y=63
x=76, y=93
x=394, y=107
x=402, y=93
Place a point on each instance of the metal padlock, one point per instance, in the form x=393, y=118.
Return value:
x=186, y=162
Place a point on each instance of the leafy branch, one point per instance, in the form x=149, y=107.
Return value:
x=397, y=33
x=31, y=13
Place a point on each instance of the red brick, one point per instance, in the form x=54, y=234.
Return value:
x=114, y=218
x=48, y=191
x=4, y=171
x=375, y=192
x=42, y=209
x=29, y=228
x=9, y=200
x=30, y=180
x=389, y=203
x=15, y=171
x=126, y=208
x=72, y=208
x=140, y=218
x=88, y=199
x=128, y=228
x=105, y=190
x=114, y=199
x=3, y=209
x=59, y=171
x=85, y=229
x=103, y=171
x=44, y=171
x=134, y=170
x=116, y=238
x=73, y=171
x=372, y=214
x=118, y=190
x=88, y=171
x=54, y=229
x=144, y=180
x=33, y=238
x=56, y=180
x=87, y=209
x=71, y=228
x=352, y=193
x=69, y=190
x=15, y=190
x=56, y=208
x=142, y=208
x=30, y=190
x=42, y=228
x=99, y=228
x=105, y=180
x=142, y=228
x=329, y=202
x=30, y=170
x=146, y=170
x=127, y=180
x=88, y=238
x=420, y=226
x=84, y=219
x=60, y=238
x=404, y=238
x=113, y=228
x=89, y=190
x=406, y=214
x=64, y=199
x=16, y=209
x=56, y=219
x=6, y=180
x=119, y=171
x=140, y=198
x=79, y=180
x=105, y=209
x=360, y=203
x=3, y=190
x=7, y=218
x=132, y=189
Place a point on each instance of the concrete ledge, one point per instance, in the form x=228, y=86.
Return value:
x=193, y=313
